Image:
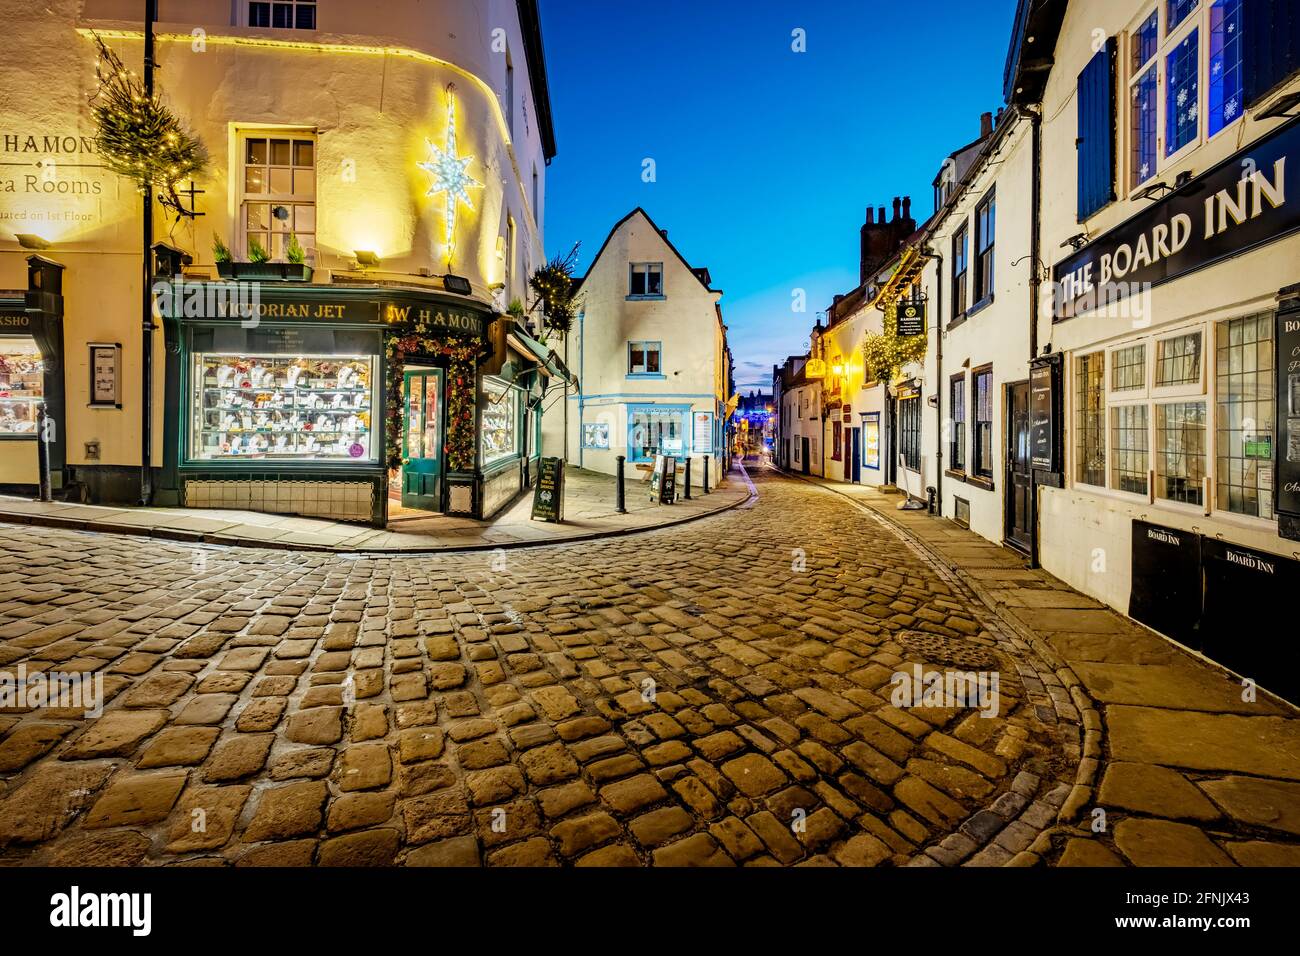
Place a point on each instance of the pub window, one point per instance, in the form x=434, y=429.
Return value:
x=1245, y=408
x=960, y=246
x=1128, y=368
x=1182, y=100
x=278, y=194
x=643, y=358
x=1129, y=457
x=1178, y=360
x=1180, y=452
x=1226, y=68
x=909, y=428
x=957, y=407
x=1144, y=83
x=647, y=278
x=283, y=14
x=985, y=229
x=837, y=436
x=983, y=401
x=1089, y=419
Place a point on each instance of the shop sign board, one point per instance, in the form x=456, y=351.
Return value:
x=1166, y=591
x=105, y=375
x=548, y=496
x=911, y=319
x=1040, y=417
x=1236, y=206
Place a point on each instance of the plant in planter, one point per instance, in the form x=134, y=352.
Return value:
x=516, y=309
x=256, y=251
x=294, y=251
x=221, y=255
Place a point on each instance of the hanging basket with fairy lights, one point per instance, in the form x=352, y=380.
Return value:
x=138, y=136
x=884, y=355
x=556, y=291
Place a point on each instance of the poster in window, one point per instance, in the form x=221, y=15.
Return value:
x=105, y=377
x=871, y=440
x=702, y=432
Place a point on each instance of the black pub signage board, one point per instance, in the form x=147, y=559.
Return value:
x=548, y=496
x=1167, y=591
x=1288, y=405
x=1247, y=593
x=911, y=319
x=1042, y=416
x=1246, y=201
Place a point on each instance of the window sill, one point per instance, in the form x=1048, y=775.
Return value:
x=978, y=481
x=646, y=298
x=979, y=306
x=957, y=322
x=652, y=375
x=958, y=475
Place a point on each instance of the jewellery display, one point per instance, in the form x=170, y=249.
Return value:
x=500, y=421
x=283, y=407
x=22, y=386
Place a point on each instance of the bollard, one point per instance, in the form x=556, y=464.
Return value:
x=706, y=474
x=688, y=478
x=622, y=506
x=43, y=453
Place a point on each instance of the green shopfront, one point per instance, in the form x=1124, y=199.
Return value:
x=356, y=403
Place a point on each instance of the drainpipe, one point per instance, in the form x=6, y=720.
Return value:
x=582, y=379
x=146, y=342
x=566, y=400
x=938, y=378
x=1035, y=243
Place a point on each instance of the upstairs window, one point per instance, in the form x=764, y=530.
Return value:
x=1179, y=10
x=644, y=358
x=283, y=14
x=984, y=234
x=960, y=246
x=647, y=279
x=1143, y=90
x=1225, y=64
x=1183, y=104
x=278, y=198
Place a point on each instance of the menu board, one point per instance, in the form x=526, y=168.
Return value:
x=548, y=496
x=1040, y=417
x=668, y=484
x=1288, y=405
x=104, y=376
x=702, y=432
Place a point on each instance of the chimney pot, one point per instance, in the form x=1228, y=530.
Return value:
x=898, y=205
x=883, y=217
x=986, y=124
x=664, y=233
x=907, y=207
x=871, y=216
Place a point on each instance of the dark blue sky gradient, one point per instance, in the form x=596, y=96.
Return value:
x=766, y=158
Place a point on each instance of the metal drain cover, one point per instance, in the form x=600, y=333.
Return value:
x=937, y=649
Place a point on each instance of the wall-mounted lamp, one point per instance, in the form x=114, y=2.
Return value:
x=1282, y=106
x=366, y=258
x=1153, y=192
x=457, y=284
x=29, y=241
x=1076, y=242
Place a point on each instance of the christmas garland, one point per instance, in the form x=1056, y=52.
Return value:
x=461, y=397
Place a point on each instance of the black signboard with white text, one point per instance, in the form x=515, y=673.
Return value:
x=1238, y=205
x=911, y=319
x=1046, y=407
x=548, y=496
x=1166, y=590
x=1288, y=416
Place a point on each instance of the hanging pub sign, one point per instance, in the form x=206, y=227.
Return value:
x=911, y=319
x=1237, y=205
x=548, y=496
x=1288, y=417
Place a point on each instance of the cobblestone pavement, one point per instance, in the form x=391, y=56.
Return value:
x=717, y=693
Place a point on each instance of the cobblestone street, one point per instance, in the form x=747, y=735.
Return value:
x=715, y=693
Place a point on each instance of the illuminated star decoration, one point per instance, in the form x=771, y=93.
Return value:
x=449, y=174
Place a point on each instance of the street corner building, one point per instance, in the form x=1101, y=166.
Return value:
x=1090, y=352
x=652, y=372
x=321, y=325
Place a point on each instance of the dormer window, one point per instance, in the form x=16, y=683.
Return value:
x=283, y=14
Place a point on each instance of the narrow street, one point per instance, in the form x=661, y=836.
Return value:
x=715, y=693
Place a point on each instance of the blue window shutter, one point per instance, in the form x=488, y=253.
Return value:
x=1270, y=36
x=1096, y=143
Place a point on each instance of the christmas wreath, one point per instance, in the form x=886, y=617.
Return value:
x=462, y=357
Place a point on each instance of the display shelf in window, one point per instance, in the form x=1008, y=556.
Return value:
x=22, y=386
x=500, y=432
x=283, y=408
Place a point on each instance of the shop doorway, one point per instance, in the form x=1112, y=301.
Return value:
x=807, y=467
x=1019, y=507
x=422, y=439
x=855, y=474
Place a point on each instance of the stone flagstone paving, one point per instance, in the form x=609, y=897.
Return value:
x=712, y=694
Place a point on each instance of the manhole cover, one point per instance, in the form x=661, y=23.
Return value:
x=937, y=649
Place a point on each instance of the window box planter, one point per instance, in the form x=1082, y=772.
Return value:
x=256, y=271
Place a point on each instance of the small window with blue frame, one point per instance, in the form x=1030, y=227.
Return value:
x=644, y=358
x=655, y=431
x=595, y=435
x=646, y=280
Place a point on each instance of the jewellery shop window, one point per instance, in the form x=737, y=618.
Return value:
x=283, y=408
x=500, y=435
x=22, y=386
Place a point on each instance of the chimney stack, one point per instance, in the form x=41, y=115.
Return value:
x=986, y=124
x=898, y=205
x=664, y=233
x=907, y=207
x=883, y=217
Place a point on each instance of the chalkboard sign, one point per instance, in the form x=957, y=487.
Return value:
x=657, y=478
x=548, y=496
x=668, y=483
x=1040, y=417
x=1288, y=417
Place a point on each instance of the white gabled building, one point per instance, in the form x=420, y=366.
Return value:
x=650, y=352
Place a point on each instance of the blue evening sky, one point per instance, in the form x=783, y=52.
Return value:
x=766, y=158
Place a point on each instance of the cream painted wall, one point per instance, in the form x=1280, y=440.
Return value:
x=371, y=88
x=685, y=321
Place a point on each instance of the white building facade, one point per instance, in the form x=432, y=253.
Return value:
x=650, y=353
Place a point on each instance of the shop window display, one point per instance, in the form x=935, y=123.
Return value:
x=283, y=408
x=22, y=386
x=500, y=434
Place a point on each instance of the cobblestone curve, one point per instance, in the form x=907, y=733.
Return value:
x=717, y=693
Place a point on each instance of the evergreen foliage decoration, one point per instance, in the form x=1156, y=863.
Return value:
x=138, y=136
x=256, y=251
x=462, y=377
x=555, y=288
x=294, y=251
x=220, y=251
x=884, y=355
